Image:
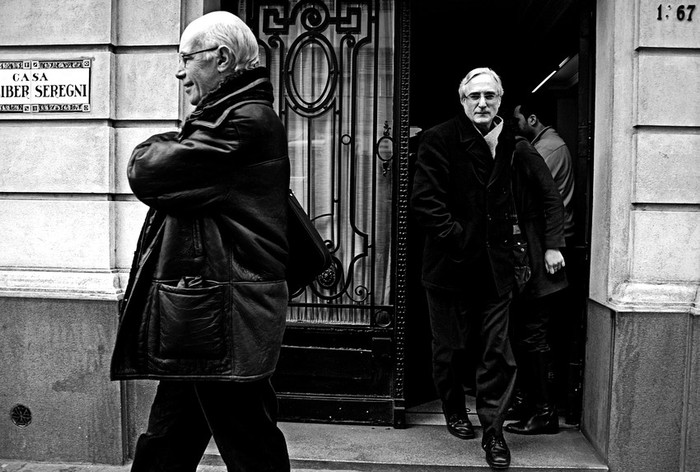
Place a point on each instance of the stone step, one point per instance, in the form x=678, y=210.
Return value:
x=430, y=413
x=428, y=448
x=425, y=445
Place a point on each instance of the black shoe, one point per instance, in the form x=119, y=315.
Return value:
x=544, y=420
x=497, y=452
x=458, y=424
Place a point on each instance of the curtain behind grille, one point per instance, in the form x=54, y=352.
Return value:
x=333, y=73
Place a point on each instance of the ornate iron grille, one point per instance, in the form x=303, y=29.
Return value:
x=332, y=66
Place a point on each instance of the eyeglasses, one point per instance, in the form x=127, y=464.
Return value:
x=488, y=96
x=187, y=56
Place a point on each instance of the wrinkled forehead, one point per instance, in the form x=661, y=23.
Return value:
x=481, y=83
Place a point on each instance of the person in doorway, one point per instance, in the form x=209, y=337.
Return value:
x=540, y=213
x=462, y=199
x=532, y=116
x=534, y=406
x=204, y=310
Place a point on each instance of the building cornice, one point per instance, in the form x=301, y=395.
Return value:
x=656, y=297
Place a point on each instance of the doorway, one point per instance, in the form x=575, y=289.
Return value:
x=535, y=44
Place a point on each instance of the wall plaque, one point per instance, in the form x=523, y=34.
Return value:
x=37, y=86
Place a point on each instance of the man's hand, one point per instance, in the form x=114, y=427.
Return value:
x=553, y=260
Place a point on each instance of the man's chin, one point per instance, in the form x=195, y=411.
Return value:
x=191, y=97
x=484, y=122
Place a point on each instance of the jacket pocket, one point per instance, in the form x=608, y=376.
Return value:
x=258, y=324
x=191, y=322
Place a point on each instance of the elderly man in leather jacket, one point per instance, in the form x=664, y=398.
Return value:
x=204, y=311
x=463, y=200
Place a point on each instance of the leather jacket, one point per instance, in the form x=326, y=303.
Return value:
x=207, y=296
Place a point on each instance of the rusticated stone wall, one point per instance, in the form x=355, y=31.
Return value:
x=642, y=382
x=69, y=223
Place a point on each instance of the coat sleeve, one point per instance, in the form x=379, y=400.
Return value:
x=545, y=189
x=559, y=164
x=183, y=174
x=430, y=200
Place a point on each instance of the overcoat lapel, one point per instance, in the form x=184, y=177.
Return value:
x=504, y=149
x=474, y=145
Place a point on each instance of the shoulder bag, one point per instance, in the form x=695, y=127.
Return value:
x=308, y=254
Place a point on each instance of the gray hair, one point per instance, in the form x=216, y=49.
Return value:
x=226, y=29
x=479, y=71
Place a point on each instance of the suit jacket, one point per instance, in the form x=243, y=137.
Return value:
x=462, y=199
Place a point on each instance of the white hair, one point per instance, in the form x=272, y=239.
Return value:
x=479, y=71
x=222, y=28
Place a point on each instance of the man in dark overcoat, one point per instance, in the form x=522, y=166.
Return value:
x=463, y=200
x=204, y=311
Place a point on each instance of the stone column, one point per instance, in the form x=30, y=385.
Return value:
x=642, y=378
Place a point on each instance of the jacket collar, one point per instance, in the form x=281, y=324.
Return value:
x=466, y=129
x=541, y=134
x=470, y=136
x=248, y=85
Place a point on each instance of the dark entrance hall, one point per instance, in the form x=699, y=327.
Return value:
x=542, y=44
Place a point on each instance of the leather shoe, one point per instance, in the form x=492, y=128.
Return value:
x=458, y=424
x=544, y=420
x=497, y=452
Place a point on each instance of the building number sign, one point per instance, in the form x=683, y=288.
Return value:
x=681, y=12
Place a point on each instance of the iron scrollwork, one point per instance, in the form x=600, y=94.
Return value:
x=331, y=36
x=385, y=145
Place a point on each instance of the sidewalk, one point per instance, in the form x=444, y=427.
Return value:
x=332, y=447
x=425, y=446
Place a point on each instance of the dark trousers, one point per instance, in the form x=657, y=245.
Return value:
x=185, y=415
x=454, y=317
x=530, y=320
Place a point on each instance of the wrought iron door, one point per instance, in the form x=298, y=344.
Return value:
x=332, y=66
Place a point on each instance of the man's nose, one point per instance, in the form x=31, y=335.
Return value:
x=180, y=72
x=482, y=102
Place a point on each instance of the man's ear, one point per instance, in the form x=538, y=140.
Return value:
x=532, y=120
x=225, y=59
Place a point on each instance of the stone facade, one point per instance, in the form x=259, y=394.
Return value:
x=69, y=221
x=69, y=224
x=641, y=380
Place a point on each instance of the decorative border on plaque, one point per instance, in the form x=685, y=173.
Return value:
x=45, y=86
